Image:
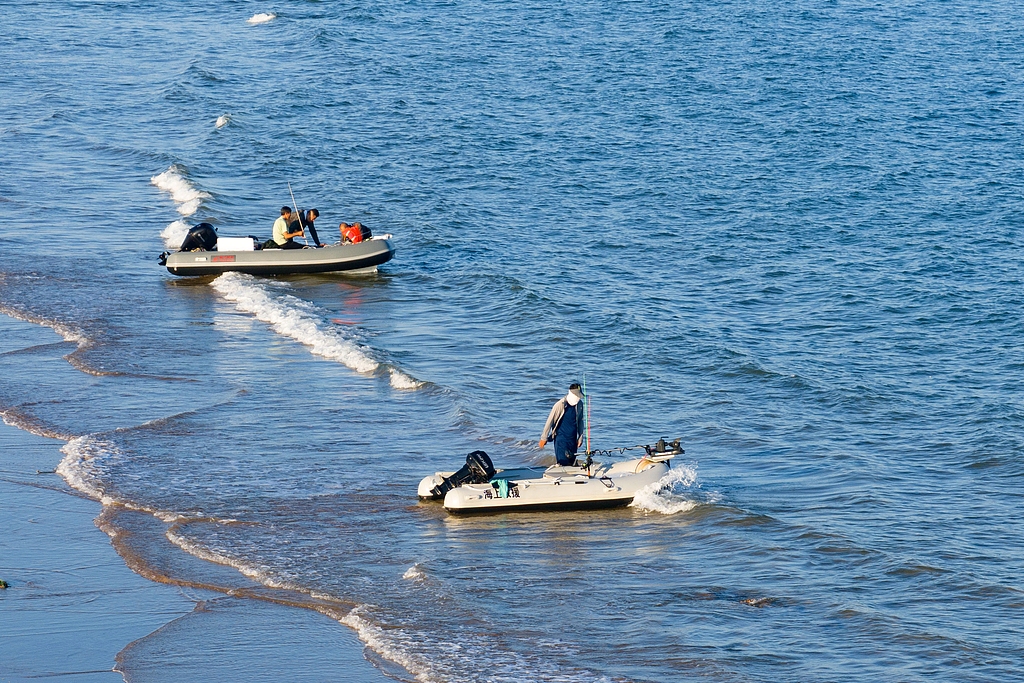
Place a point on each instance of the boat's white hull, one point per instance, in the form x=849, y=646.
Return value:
x=552, y=488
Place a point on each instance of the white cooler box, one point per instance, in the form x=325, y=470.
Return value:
x=235, y=244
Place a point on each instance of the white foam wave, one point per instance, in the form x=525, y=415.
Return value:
x=24, y=422
x=204, y=553
x=456, y=656
x=182, y=191
x=190, y=207
x=69, y=334
x=320, y=595
x=300, y=320
x=85, y=457
x=81, y=466
x=400, y=380
x=261, y=18
x=261, y=575
x=174, y=234
x=414, y=573
x=668, y=494
x=222, y=120
x=378, y=641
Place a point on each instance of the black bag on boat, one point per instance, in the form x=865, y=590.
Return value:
x=201, y=237
x=477, y=470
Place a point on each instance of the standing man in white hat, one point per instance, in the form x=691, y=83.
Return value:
x=565, y=425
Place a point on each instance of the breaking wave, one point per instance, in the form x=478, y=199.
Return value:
x=80, y=467
x=187, y=197
x=27, y=423
x=668, y=495
x=376, y=639
x=208, y=554
x=261, y=18
x=85, y=459
x=70, y=334
x=174, y=234
x=301, y=320
x=457, y=656
x=414, y=573
x=400, y=380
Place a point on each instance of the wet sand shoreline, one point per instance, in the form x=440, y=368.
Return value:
x=74, y=608
x=72, y=604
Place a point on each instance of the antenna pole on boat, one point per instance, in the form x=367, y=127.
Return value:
x=301, y=226
x=586, y=398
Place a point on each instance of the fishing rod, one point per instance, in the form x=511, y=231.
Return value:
x=301, y=226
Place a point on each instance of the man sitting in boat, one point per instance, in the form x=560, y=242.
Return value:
x=284, y=231
x=565, y=425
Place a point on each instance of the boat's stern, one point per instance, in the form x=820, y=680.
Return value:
x=425, y=490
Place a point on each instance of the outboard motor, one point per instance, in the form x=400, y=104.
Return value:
x=201, y=237
x=477, y=470
x=662, y=448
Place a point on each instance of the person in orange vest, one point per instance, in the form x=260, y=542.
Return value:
x=351, y=234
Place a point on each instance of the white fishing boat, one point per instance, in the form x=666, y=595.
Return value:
x=479, y=487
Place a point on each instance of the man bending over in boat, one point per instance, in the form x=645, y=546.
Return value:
x=307, y=223
x=284, y=231
x=565, y=426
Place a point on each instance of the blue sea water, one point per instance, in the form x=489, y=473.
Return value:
x=789, y=233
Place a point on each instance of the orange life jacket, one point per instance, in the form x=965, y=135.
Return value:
x=352, y=234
